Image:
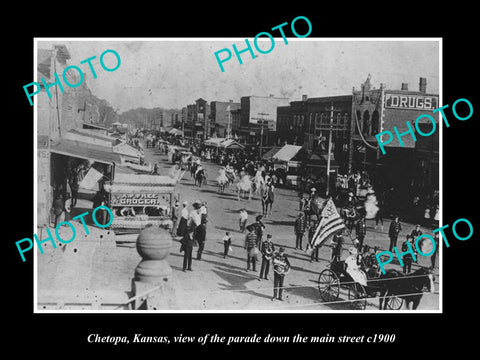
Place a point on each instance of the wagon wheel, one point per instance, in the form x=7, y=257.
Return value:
x=392, y=302
x=328, y=285
x=357, y=293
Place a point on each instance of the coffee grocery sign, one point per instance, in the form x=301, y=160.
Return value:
x=135, y=199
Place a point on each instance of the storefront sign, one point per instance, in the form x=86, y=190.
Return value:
x=415, y=102
x=143, y=199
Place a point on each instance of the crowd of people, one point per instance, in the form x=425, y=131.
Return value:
x=351, y=190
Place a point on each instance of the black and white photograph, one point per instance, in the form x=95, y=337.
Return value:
x=216, y=179
x=171, y=179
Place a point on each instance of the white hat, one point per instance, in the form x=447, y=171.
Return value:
x=313, y=189
x=353, y=251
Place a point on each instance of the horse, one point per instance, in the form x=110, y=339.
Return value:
x=267, y=199
x=243, y=186
x=407, y=287
x=193, y=169
x=200, y=178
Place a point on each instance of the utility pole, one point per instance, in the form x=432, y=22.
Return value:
x=262, y=124
x=329, y=147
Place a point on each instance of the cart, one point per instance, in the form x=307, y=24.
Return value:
x=334, y=278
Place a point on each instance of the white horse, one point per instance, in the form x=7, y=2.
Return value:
x=259, y=182
x=243, y=186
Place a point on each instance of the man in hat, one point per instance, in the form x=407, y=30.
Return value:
x=267, y=253
x=393, y=231
x=251, y=247
x=187, y=247
x=258, y=227
x=299, y=229
x=281, y=266
x=200, y=236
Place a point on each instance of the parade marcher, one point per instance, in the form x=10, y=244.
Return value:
x=361, y=229
x=227, y=241
x=242, y=221
x=299, y=229
x=183, y=223
x=251, y=246
x=259, y=226
x=416, y=232
x=407, y=257
x=281, y=266
x=267, y=253
x=393, y=231
x=200, y=237
x=155, y=169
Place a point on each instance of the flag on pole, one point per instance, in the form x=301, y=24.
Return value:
x=330, y=223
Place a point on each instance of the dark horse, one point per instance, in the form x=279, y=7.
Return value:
x=267, y=200
x=407, y=287
x=200, y=178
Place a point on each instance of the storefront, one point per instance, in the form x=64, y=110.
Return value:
x=140, y=200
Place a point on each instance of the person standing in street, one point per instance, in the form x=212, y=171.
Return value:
x=434, y=255
x=200, y=236
x=361, y=230
x=242, y=222
x=259, y=226
x=281, y=266
x=252, y=249
x=299, y=229
x=183, y=223
x=227, y=241
x=267, y=253
x=393, y=231
x=187, y=247
x=416, y=232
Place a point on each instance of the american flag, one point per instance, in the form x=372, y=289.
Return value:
x=330, y=224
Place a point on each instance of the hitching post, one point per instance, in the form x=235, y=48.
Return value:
x=153, y=245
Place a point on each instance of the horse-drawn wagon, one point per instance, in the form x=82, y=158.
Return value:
x=393, y=288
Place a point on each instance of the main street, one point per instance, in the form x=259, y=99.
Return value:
x=223, y=284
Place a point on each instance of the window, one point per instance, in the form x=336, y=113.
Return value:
x=375, y=123
x=366, y=123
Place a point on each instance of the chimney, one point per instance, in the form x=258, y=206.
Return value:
x=304, y=97
x=404, y=86
x=422, y=85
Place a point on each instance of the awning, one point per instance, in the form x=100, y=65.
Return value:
x=86, y=151
x=287, y=152
x=269, y=154
x=134, y=183
x=214, y=141
x=231, y=144
x=176, y=132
